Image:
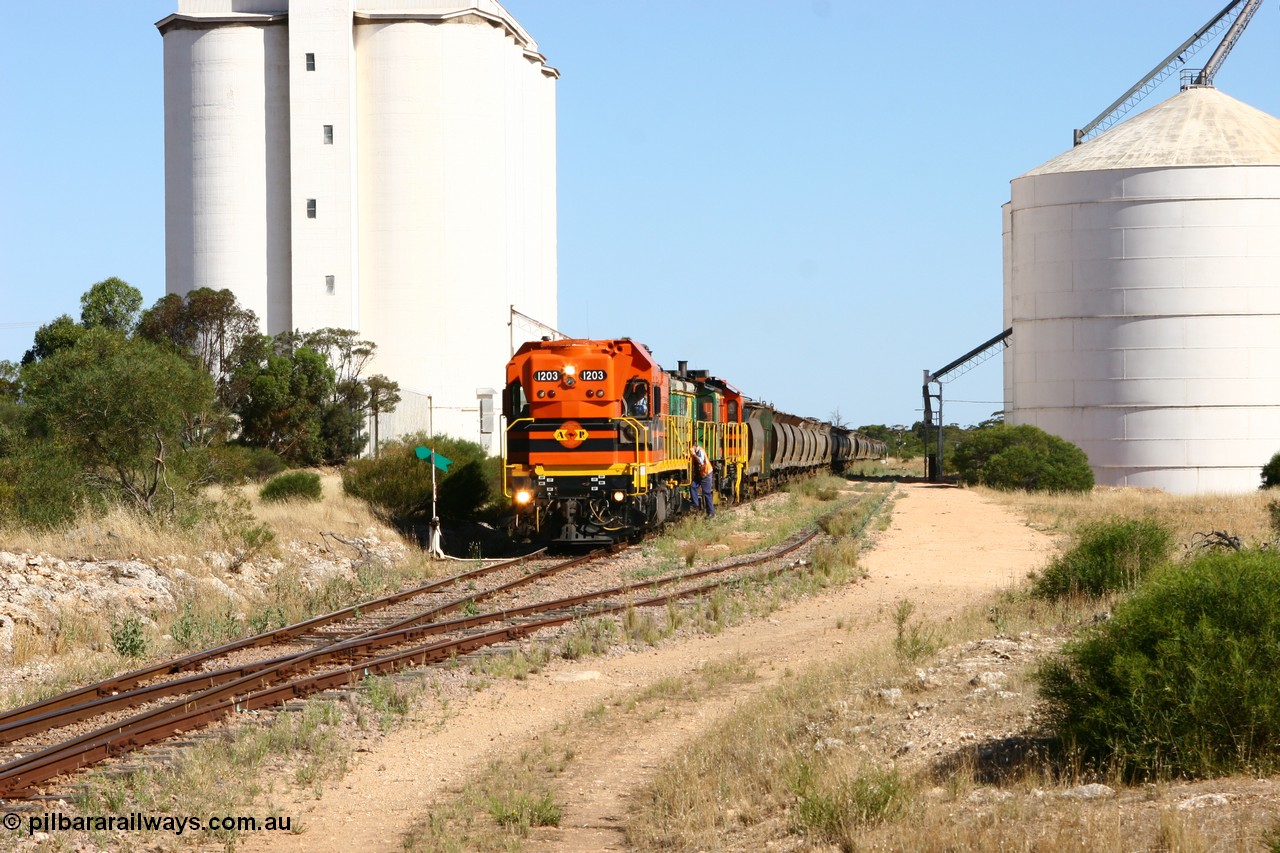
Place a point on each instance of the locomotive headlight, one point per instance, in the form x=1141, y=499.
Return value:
x=619, y=496
x=570, y=370
x=523, y=497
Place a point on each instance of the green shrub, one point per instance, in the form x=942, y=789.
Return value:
x=210, y=627
x=1022, y=457
x=1273, y=518
x=293, y=485
x=1271, y=472
x=398, y=484
x=914, y=641
x=1181, y=680
x=836, y=808
x=521, y=811
x=235, y=463
x=129, y=637
x=43, y=487
x=1111, y=556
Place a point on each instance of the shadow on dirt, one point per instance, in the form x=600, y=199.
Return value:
x=1002, y=760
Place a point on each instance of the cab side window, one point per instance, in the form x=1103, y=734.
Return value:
x=637, y=398
x=514, y=403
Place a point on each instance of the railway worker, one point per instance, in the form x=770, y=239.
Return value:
x=702, y=479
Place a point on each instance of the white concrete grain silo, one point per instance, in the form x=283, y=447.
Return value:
x=1142, y=283
x=387, y=167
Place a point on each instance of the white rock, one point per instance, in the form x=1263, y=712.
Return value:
x=988, y=679
x=1205, y=801
x=1092, y=791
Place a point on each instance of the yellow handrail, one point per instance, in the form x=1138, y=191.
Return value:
x=679, y=441
x=506, y=466
x=726, y=443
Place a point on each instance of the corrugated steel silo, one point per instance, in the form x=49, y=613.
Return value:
x=1142, y=283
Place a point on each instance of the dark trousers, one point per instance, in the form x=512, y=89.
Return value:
x=700, y=490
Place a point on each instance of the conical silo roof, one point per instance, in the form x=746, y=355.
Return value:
x=1197, y=127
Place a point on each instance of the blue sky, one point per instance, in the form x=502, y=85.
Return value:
x=801, y=196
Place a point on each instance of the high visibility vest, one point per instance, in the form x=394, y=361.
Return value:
x=701, y=464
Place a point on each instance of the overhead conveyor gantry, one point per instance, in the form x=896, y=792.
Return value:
x=1234, y=17
x=933, y=402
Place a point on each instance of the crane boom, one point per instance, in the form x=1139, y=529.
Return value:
x=1205, y=78
x=1159, y=74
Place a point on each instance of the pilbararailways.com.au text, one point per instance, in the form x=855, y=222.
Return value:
x=138, y=822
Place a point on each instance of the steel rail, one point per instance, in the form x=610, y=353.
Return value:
x=18, y=777
x=117, y=684
x=406, y=630
x=56, y=714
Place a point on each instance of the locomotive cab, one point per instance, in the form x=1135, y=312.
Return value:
x=587, y=450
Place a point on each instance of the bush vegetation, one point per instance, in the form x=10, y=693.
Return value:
x=1022, y=457
x=136, y=408
x=1111, y=556
x=397, y=485
x=129, y=637
x=1181, y=680
x=233, y=464
x=41, y=488
x=1271, y=472
x=293, y=485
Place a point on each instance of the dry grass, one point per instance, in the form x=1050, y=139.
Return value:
x=206, y=564
x=889, y=467
x=499, y=807
x=1243, y=515
x=760, y=779
x=122, y=534
x=759, y=766
x=762, y=523
x=236, y=770
x=336, y=513
x=817, y=763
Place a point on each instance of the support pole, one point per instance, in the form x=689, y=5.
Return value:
x=937, y=469
x=932, y=420
x=930, y=462
x=932, y=416
x=433, y=548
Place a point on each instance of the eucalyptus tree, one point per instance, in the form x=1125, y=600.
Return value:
x=111, y=304
x=130, y=414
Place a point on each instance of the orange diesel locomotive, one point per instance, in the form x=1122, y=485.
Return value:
x=598, y=439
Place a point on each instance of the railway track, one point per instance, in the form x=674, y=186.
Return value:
x=154, y=679
x=139, y=708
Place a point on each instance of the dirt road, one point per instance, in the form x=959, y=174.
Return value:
x=945, y=549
